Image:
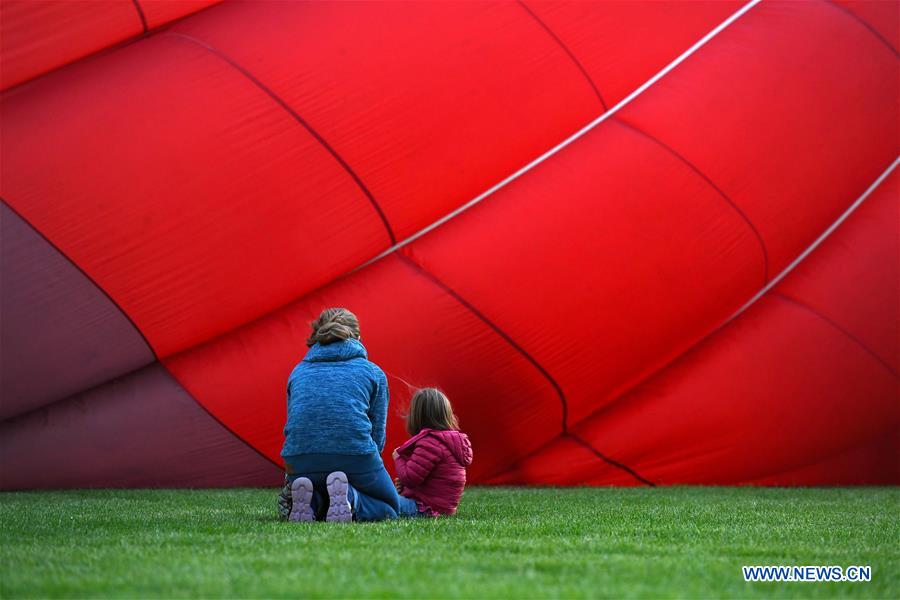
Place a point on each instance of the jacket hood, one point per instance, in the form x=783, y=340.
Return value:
x=336, y=351
x=456, y=442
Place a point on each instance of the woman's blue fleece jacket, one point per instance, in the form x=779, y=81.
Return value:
x=337, y=402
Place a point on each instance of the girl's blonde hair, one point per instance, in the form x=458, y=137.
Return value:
x=430, y=408
x=333, y=325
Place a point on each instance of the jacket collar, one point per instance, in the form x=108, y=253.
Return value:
x=455, y=441
x=336, y=351
x=411, y=441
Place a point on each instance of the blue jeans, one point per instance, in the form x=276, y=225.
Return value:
x=372, y=495
x=409, y=508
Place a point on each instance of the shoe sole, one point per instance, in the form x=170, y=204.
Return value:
x=338, y=501
x=301, y=499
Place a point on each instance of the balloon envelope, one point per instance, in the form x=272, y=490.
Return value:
x=185, y=189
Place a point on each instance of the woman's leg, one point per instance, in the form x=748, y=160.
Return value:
x=373, y=496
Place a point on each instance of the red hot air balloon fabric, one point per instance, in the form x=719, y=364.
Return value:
x=636, y=243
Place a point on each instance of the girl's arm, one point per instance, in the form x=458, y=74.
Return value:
x=415, y=469
x=378, y=409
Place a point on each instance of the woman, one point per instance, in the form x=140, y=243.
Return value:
x=335, y=431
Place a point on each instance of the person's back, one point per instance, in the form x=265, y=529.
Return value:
x=334, y=405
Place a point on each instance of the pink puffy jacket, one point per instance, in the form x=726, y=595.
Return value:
x=431, y=465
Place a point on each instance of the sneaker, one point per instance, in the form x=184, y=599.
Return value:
x=339, y=510
x=301, y=500
x=284, y=500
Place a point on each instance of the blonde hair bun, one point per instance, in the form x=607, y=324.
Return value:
x=333, y=325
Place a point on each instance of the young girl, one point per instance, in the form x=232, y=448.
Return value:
x=431, y=465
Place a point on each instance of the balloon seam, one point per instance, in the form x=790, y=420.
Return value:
x=217, y=419
x=296, y=116
x=566, y=49
x=834, y=325
x=140, y=11
x=477, y=313
x=149, y=365
x=90, y=279
x=865, y=24
x=113, y=46
x=702, y=175
x=609, y=460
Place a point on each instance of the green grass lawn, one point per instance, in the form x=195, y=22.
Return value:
x=504, y=542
